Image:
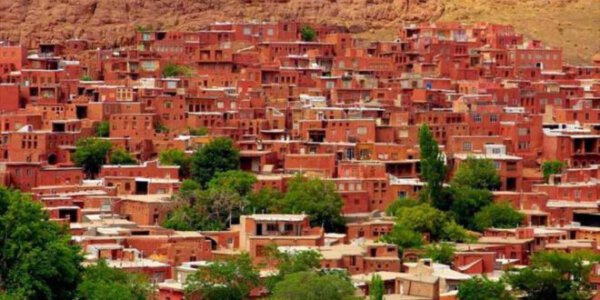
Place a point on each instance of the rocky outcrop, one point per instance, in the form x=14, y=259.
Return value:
x=571, y=24
x=114, y=21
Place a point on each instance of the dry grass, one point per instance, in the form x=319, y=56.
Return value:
x=573, y=25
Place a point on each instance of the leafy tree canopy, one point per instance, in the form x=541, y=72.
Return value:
x=551, y=167
x=477, y=174
x=200, y=131
x=230, y=279
x=239, y=181
x=442, y=253
x=314, y=286
x=478, y=288
x=103, y=129
x=403, y=237
x=176, y=157
x=120, y=156
x=554, y=275
x=265, y=200
x=219, y=155
x=317, y=198
x=433, y=169
x=173, y=70
x=288, y=263
x=498, y=215
x=455, y=233
x=90, y=154
x=467, y=202
x=422, y=218
x=393, y=208
x=37, y=260
x=376, y=288
x=101, y=282
x=308, y=33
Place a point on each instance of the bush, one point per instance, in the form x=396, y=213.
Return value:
x=103, y=129
x=551, y=167
x=174, y=70
x=308, y=33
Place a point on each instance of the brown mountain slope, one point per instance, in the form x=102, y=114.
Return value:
x=572, y=24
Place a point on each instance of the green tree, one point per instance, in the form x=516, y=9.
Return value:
x=307, y=33
x=288, y=263
x=201, y=131
x=551, y=167
x=453, y=232
x=478, y=288
x=403, y=237
x=219, y=155
x=467, y=202
x=143, y=28
x=160, y=128
x=477, y=174
x=103, y=129
x=86, y=77
x=317, y=198
x=230, y=279
x=393, y=208
x=90, y=154
x=101, y=282
x=422, y=218
x=498, y=215
x=184, y=218
x=239, y=181
x=174, y=70
x=314, y=286
x=442, y=253
x=221, y=205
x=120, y=156
x=188, y=187
x=376, y=288
x=433, y=169
x=176, y=157
x=37, y=259
x=211, y=209
x=554, y=275
x=265, y=200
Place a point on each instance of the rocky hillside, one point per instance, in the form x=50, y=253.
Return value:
x=568, y=23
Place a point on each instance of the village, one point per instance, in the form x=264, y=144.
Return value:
x=309, y=110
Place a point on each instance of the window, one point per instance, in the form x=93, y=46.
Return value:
x=523, y=145
x=467, y=146
x=493, y=118
x=271, y=227
x=361, y=130
x=523, y=131
x=477, y=118
x=289, y=227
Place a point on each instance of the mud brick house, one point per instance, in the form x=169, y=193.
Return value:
x=401, y=285
x=370, y=230
x=341, y=108
x=144, y=179
x=258, y=231
x=509, y=166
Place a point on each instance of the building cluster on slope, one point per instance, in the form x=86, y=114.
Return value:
x=337, y=107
